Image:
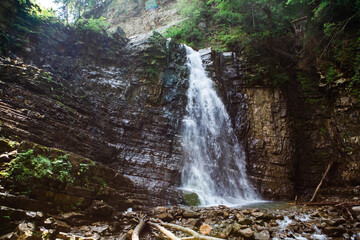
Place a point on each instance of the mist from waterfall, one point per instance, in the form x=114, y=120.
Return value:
x=214, y=165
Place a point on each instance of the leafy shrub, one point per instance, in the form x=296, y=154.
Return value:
x=28, y=168
x=331, y=74
x=91, y=24
x=306, y=81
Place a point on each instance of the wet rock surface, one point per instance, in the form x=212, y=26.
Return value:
x=140, y=17
x=286, y=222
x=114, y=103
x=291, y=135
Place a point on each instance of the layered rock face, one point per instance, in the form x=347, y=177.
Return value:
x=261, y=120
x=140, y=16
x=96, y=96
x=291, y=135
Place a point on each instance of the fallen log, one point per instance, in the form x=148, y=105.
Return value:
x=322, y=180
x=136, y=234
x=189, y=231
x=164, y=231
x=348, y=204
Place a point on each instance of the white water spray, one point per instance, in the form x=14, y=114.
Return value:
x=215, y=162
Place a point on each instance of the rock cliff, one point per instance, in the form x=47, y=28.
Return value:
x=291, y=134
x=140, y=16
x=97, y=96
x=121, y=104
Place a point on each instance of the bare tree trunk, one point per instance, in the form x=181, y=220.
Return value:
x=253, y=16
x=165, y=231
x=137, y=230
x=322, y=180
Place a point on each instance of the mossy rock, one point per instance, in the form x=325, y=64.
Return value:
x=191, y=198
x=7, y=145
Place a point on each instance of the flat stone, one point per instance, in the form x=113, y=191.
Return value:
x=166, y=217
x=258, y=215
x=61, y=226
x=356, y=209
x=100, y=209
x=246, y=233
x=263, y=235
x=333, y=231
x=100, y=229
x=246, y=211
x=191, y=214
x=195, y=222
x=339, y=221
x=245, y=221
x=159, y=210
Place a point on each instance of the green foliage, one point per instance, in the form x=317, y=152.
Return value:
x=28, y=168
x=195, y=30
x=44, y=15
x=84, y=167
x=263, y=31
x=77, y=8
x=329, y=29
x=91, y=24
x=331, y=74
x=323, y=131
x=306, y=81
x=354, y=85
x=155, y=55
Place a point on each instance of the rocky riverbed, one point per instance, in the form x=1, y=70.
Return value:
x=101, y=221
x=77, y=198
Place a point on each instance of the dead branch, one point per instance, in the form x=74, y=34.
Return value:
x=350, y=215
x=322, y=179
x=164, y=231
x=299, y=19
x=138, y=228
x=158, y=236
x=336, y=204
x=122, y=236
x=340, y=31
x=189, y=231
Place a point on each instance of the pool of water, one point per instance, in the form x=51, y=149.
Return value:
x=269, y=205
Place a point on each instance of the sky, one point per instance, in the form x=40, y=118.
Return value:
x=47, y=3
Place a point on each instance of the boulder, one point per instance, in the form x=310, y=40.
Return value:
x=245, y=221
x=100, y=209
x=191, y=198
x=191, y=214
x=247, y=233
x=356, y=209
x=263, y=235
x=166, y=217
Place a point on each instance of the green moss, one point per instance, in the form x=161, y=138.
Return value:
x=331, y=74
x=7, y=145
x=312, y=101
x=191, y=198
x=95, y=25
x=306, y=81
x=323, y=131
x=30, y=169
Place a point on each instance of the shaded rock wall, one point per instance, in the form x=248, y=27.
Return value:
x=327, y=129
x=291, y=135
x=262, y=123
x=96, y=96
x=269, y=141
x=137, y=17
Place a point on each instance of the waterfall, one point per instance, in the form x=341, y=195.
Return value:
x=214, y=165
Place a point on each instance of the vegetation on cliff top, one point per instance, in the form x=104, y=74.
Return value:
x=280, y=40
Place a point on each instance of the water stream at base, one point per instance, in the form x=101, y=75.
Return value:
x=214, y=168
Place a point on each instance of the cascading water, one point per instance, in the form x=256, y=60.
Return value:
x=215, y=163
